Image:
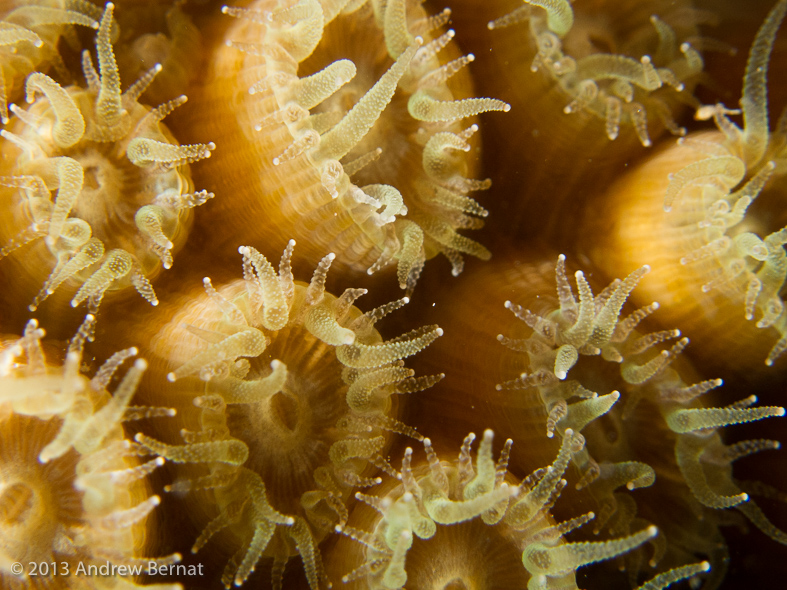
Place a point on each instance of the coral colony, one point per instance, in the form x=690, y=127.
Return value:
x=569, y=411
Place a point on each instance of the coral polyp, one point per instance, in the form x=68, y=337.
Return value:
x=308, y=125
x=594, y=326
x=70, y=483
x=123, y=191
x=719, y=259
x=295, y=395
x=453, y=507
x=620, y=86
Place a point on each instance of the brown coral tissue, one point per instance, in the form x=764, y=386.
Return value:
x=393, y=294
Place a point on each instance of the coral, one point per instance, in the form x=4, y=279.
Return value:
x=352, y=125
x=296, y=409
x=618, y=86
x=464, y=495
x=143, y=42
x=69, y=480
x=30, y=33
x=717, y=247
x=656, y=451
x=308, y=127
x=123, y=195
x=594, y=326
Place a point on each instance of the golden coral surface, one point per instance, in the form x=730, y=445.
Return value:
x=576, y=209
